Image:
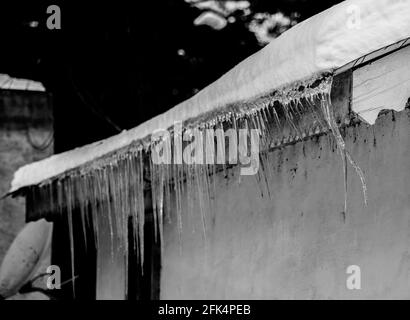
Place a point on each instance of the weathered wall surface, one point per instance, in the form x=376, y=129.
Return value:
x=26, y=128
x=295, y=240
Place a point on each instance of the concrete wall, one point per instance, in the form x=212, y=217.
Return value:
x=25, y=121
x=297, y=242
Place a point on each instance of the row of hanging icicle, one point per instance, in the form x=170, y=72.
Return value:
x=115, y=190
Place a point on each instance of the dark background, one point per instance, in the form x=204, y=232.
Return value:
x=114, y=65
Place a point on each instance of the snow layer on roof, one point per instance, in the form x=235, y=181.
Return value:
x=9, y=83
x=320, y=44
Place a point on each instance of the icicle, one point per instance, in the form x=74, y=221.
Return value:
x=345, y=182
x=178, y=199
x=93, y=185
x=107, y=207
x=160, y=205
x=69, y=203
x=326, y=105
x=154, y=177
x=190, y=188
x=141, y=206
x=198, y=175
x=81, y=196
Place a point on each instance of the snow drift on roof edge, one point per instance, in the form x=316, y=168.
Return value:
x=320, y=44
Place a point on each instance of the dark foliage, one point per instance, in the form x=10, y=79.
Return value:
x=114, y=65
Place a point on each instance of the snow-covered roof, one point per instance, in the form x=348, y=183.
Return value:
x=321, y=44
x=9, y=83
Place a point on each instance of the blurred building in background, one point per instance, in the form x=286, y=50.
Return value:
x=26, y=135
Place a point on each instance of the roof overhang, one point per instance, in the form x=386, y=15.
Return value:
x=336, y=40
